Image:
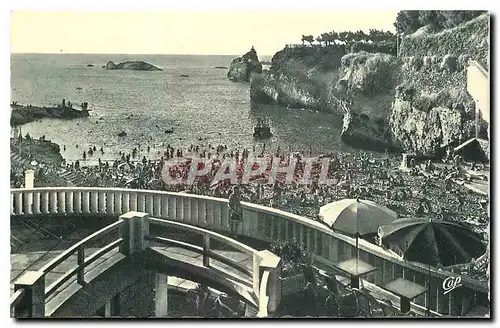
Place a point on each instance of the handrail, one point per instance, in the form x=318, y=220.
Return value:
x=204, y=232
x=78, y=269
x=205, y=249
x=363, y=245
x=76, y=247
x=212, y=213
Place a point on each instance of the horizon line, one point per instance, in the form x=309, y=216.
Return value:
x=113, y=53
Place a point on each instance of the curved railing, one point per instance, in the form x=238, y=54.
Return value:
x=478, y=87
x=258, y=222
x=258, y=285
x=17, y=300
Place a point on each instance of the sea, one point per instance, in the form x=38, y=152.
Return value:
x=203, y=108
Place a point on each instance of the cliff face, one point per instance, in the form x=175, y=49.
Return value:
x=242, y=67
x=300, y=78
x=132, y=65
x=425, y=133
x=416, y=103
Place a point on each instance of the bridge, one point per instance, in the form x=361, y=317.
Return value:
x=142, y=245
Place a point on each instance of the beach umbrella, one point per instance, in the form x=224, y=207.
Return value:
x=432, y=242
x=356, y=217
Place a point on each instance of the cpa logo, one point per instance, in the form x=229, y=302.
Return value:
x=451, y=283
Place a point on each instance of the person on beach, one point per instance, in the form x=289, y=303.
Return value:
x=235, y=210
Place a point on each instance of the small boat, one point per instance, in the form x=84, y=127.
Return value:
x=262, y=130
x=122, y=134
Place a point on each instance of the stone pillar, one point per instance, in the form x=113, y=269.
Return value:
x=27, y=202
x=157, y=206
x=52, y=202
x=44, y=197
x=101, y=199
x=61, y=202
x=18, y=199
x=133, y=201
x=29, y=179
x=36, y=203
x=134, y=231
x=150, y=204
x=161, y=298
x=164, y=206
x=141, y=203
x=69, y=202
x=93, y=202
x=272, y=263
x=110, y=203
x=29, y=183
x=125, y=202
x=117, y=202
x=86, y=202
x=33, y=283
x=77, y=198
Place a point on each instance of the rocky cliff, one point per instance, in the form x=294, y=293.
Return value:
x=22, y=114
x=132, y=65
x=242, y=67
x=300, y=78
x=416, y=103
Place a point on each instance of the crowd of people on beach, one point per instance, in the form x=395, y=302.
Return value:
x=424, y=190
x=421, y=190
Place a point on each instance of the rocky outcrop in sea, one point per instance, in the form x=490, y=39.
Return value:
x=22, y=114
x=132, y=65
x=242, y=67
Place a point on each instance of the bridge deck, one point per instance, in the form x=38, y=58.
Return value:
x=22, y=262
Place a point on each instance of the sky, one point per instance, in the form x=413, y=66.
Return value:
x=183, y=32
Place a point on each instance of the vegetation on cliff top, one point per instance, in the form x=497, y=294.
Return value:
x=294, y=59
x=409, y=21
x=470, y=38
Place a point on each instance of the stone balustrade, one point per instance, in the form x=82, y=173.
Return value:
x=258, y=222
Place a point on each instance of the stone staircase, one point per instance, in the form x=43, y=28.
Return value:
x=18, y=160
